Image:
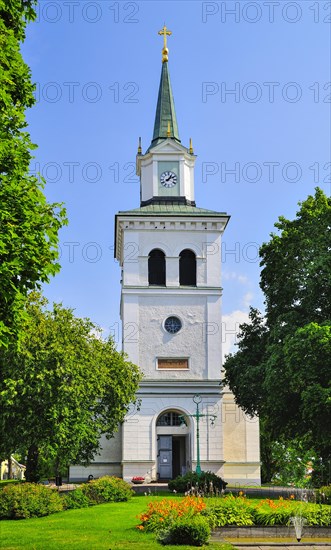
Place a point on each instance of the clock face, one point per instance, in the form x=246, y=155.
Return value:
x=172, y=325
x=168, y=179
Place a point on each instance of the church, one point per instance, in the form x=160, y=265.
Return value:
x=169, y=251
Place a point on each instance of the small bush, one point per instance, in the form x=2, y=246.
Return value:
x=203, y=482
x=317, y=514
x=75, y=499
x=193, y=531
x=107, y=489
x=229, y=510
x=323, y=494
x=28, y=500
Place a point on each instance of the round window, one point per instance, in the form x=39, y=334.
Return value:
x=172, y=325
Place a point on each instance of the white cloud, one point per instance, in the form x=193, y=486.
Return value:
x=247, y=299
x=233, y=276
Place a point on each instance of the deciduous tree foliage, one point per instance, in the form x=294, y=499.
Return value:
x=63, y=389
x=281, y=370
x=28, y=224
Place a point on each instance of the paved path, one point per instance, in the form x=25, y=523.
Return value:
x=283, y=546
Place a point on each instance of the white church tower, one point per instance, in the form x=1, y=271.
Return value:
x=170, y=254
x=169, y=251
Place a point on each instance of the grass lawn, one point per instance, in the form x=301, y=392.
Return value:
x=104, y=527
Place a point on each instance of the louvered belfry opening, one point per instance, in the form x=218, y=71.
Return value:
x=187, y=268
x=156, y=268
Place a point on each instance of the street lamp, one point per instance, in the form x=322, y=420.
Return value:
x=197, y=400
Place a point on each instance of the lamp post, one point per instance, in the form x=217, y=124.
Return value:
x=197, y=400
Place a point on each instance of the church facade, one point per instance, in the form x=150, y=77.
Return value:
x=169, y=251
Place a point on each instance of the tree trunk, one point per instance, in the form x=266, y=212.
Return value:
x=268, y=463
x=32, y=465
x=58, y=477
x=10, y=468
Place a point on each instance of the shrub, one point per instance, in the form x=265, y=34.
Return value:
x=317, y=514
x=229, y=510
x=75, y=499
x=193, y=531
x=28, y=500
x=323, y=494
x=107, y=489
x=162, y=514
x=203, y=481
x=279, y=512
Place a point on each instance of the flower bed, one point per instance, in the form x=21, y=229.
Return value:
x=166, y=511
x=169, y=516
x=240, y=511
x=177, y=521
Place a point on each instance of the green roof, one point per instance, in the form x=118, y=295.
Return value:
x=165, y=110
x=171, y=209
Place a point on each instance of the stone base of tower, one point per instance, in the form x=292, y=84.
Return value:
x=160, y=440
x=241, y=443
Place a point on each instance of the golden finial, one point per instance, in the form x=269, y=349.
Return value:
x=139, y=147
x=168, y=129
x=165, y=50
x=191, y=148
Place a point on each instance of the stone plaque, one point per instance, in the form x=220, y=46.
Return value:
x=172, y=363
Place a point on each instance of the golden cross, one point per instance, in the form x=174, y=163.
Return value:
x=165, y=52
x=165, y=32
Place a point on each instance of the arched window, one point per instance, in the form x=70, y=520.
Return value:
x=156, y=268
x=170, y=418
x=187, y=268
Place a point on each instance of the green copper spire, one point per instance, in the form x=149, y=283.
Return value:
x=165, y=125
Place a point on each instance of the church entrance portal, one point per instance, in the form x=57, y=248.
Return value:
x=171, y=456
x=172, y=445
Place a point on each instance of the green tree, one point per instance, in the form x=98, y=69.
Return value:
x=245, y=369
x=29, y=225
x=281, y=370
x=63, y=388
x=293, y=463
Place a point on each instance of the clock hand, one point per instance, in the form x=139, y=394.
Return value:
x=168, y=178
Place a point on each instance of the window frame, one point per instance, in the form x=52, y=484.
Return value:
x=150, y=268
x=185, y=271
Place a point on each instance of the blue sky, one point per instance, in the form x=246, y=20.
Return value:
x=261, y=148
